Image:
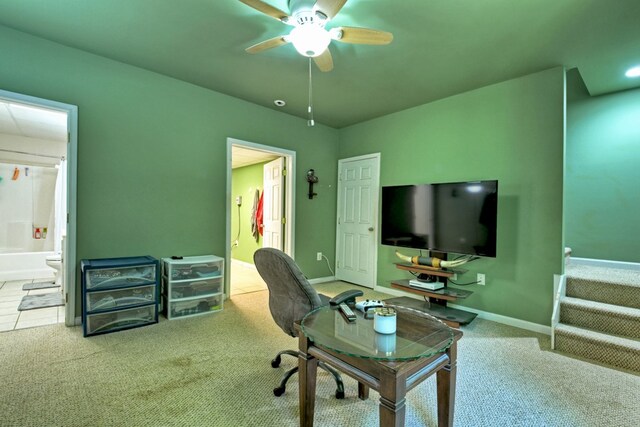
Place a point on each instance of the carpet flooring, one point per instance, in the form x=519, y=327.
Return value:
x=215, y=371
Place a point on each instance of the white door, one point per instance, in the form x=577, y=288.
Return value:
x=357, y=229
x=272, y=204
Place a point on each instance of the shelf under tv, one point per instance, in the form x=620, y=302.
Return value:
x=435, y=300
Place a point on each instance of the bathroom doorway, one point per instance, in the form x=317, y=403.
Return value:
x=38, y=147
x=260, y=192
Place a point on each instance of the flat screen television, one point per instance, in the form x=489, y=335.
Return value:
x=458, y=217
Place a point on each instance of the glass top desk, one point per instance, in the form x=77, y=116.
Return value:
x=392, y=364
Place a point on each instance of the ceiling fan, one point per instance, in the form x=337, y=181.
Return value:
x=309, y=35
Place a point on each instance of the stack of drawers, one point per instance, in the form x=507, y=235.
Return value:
x=118, y=293
x=192, y=286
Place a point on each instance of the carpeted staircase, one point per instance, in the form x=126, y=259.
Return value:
x=600, y=315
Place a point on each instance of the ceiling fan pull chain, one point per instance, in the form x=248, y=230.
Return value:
x=310, y=122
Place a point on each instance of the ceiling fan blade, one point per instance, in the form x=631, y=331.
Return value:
x=267, y=44
x=329, y=7
x=361, y=35
x=267, y=9
x=324, y=61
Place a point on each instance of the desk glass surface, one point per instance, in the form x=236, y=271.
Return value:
x=417, y=334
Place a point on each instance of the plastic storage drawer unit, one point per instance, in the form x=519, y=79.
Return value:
x=119, y=293
x=192, y=285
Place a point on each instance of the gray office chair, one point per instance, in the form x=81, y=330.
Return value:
x=291, y=297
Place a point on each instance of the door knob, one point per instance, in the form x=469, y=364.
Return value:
x=370, y=228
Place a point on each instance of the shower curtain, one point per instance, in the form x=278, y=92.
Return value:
x=43, y=185
x=60, y=206
x=29, y=202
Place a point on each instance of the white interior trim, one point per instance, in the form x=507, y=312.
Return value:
x=559, y=292
x=319, y=280
x=290, y=194
x=605, y=263
x=70, y=288
x=243, y=264
x=498, y=318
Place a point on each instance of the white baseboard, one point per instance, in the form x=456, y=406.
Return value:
x=498, y=318
x=322, y=280
x=243, y=264
x=605, y=263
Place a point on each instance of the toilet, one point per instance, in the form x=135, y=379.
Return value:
x=55, y=262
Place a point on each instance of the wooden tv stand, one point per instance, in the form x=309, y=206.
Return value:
x=435, y=301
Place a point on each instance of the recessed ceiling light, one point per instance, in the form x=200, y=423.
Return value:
x=633, y=72
x=279, y=102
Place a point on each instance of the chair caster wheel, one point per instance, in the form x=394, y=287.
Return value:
x=278, y=391
x=339, y=394
x=276, y=362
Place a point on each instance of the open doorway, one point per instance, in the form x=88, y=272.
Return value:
x=37, y=230
x=260, y=200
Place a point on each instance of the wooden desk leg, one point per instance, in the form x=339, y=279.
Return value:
x=363, y=391
x=392, y=400
x=446, y=380
x=307, y=370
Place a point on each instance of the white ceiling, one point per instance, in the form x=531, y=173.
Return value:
x=241, y=156
x=31, y=135
x=32, y=122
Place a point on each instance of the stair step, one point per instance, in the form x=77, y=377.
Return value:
x=615, y=351
x=607, y=285
x=601, y=317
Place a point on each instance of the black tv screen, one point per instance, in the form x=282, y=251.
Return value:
x=458, y=217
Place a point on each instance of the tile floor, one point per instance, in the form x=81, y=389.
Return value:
x=245, y=279
x=11, y=294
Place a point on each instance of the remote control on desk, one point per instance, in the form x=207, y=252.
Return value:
x=348, y=314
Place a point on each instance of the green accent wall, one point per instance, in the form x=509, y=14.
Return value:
x=512, y=131
x=244, y=182
x=602, y=177
x=152, y=154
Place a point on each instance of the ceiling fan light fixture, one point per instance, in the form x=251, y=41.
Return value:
x=633, y=72
x=310, y=40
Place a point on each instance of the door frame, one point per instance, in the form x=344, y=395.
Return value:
x=376, y=208
x=70, y=288
x=290, y=201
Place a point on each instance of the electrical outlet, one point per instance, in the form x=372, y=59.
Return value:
x=319, y=256
x=480, y=279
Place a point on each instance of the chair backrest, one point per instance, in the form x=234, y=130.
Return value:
x=291, y=296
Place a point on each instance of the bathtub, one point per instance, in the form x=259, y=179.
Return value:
x=25, y=265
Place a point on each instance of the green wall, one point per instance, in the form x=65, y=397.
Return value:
x=152, y=164
x=152, y=154
x=512, y=131
x=244, y=182
x=602, y=176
